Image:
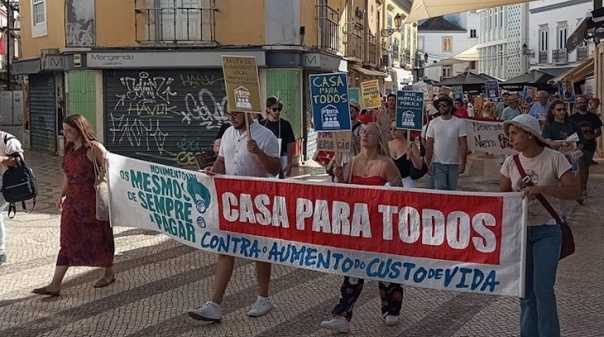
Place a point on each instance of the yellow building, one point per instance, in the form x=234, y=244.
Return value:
x=149, y=79
x=400, y=43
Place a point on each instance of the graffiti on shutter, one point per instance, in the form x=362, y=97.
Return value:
x=42, y=106
x=163, y=116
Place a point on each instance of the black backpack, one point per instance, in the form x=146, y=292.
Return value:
x=18, y=184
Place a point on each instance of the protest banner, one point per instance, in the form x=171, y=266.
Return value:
x=458, y=241
x=241, y=83
x=409, y=110
x=330, y=104
x=354, y=95
x=486, y=135
x=492, y=89
x=370, y=95
x=457, y=92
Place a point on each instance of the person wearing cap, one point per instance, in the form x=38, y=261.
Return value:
x=513, y=108
x=551, y=174
x=446, y=147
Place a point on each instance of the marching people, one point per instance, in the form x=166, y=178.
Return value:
x=460, y=110
x=241, y=155
x=540, y=108
x=591, y=125
x=386, y=115
x=550, y=172
x=446, y=147
x=407, y=156
x=513, y=108
x=372, y=166
x=489, y=111
x=357, y=129
x=9, y=145
x=282, y=129
x=85, y=241
x=502, y=105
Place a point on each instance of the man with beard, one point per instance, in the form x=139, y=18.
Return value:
x=284, y=132
x=243, y=157
x=591, y=125
x=387, y=115
x=446, y=147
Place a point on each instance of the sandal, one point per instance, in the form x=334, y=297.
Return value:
x=43, y=291
x=102, y=283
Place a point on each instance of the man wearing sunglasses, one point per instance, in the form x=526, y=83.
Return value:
x=446, y=146
x=284, y=132
x=243, y=156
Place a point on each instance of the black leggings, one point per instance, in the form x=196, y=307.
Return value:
x=390, y=293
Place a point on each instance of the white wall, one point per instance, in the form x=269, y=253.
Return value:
x=554, y=13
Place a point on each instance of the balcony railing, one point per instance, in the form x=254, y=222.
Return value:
x=582, y=53
x=543, y=57
x=372, y=49
x=354, y=40
x=173, y=23
x=329, y=29
x=560, y=56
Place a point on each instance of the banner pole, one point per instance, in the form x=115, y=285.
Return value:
x=247, y=124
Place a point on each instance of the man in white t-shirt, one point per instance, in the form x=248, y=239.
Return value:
x=8, y=145
x=446, y=147
x=240, y=156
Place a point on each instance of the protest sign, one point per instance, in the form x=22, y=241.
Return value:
x=446, y=90
x=370, y=95
x=325, y=152
x=424, y=88
x=492, y=89
x=241, y=83
x=457, y=92
x=354, y=95
x=409, y=110
x=330, y=104
x=456, y=241
x=487, y=136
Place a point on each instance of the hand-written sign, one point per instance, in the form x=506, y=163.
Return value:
x=330, y=104
x=409, y=110
x=354, y=95
x=449, y=240
x=370, y=95
x=487, y=136
x=242, y=84
x=331, y=143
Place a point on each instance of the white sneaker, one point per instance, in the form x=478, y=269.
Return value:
x=391, y=320
x=210, y=311
x=261, y=307
x=337, y=323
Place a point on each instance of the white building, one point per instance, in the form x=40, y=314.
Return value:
x=444, y=38
x=551, y=22
x=503, y=32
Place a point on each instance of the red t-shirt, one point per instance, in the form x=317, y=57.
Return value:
x=461, y=113
x=365, y=119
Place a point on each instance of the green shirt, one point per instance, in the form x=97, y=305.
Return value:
x=509, y=113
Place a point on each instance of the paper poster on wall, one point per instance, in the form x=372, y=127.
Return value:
x=241, y=83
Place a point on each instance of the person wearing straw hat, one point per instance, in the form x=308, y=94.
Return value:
x=551, y=176
x=248, y=150
x=513, y=108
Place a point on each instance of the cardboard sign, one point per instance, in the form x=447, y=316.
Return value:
x=409, y=110
x=354, y=95
x=241, y=83
x=330, y=103
x=370, y=95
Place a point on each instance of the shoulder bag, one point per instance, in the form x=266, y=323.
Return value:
x=568, y=241
x=102, y=189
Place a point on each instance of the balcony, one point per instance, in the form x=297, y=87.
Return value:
x=354, y=40
x=543, y=56
x=560, y=56
x=372, y=49
x=175, y=22
x=582, y=53
x=329, y=29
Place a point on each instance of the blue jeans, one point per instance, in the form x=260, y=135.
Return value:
x=445, y=176
x=538, y=312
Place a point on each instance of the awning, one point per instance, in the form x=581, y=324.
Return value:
x=425, y=9
x=468, y=55
x=369, y=72
x=578, y=36
x=576, y=74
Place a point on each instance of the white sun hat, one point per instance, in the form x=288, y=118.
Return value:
x=527, y=123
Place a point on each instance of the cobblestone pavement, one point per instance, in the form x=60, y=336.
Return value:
x=159, y=280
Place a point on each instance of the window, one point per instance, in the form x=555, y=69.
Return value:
x=447, y=44
x=543, y=38
x=446, y=71
x=472, y=33
x=501, y=9
x=501, y=55
x=38, y=15
x=562, y=35
x=496, y=21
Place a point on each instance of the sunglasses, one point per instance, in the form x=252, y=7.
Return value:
x=275, y=109
x=563, y=109
x=443, y=105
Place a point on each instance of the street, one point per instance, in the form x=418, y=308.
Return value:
x=158, y=280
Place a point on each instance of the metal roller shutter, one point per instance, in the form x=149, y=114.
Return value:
x=164, y=116
x=43, y=123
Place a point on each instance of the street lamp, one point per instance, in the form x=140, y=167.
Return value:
x=398, y=22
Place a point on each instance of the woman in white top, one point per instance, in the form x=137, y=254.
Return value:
x=551, y=174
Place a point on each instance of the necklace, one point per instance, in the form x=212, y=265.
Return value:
x=368, y=165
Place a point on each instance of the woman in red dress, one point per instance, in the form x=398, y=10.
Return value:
x=85, y=241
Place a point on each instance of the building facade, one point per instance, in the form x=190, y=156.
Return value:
x=504, y=30
x=399, y=44
x=147, y=74
x=443, y=38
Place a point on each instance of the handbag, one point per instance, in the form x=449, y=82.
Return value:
x=568, y=241
x=102, y=192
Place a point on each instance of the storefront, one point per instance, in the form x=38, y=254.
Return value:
x=42, y=113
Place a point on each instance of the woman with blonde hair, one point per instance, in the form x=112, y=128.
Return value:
x=372, y=166
x=489, y=111
x=85, y=241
